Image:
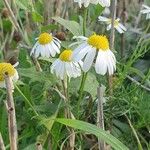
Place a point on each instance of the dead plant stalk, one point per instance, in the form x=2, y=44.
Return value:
x=11, y=114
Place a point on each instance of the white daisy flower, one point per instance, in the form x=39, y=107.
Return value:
x=118, y=26
x=11, y=71
x=95, y=46
x=46, y=46
x=146, y=10
x=103, y=3
x=66, y=66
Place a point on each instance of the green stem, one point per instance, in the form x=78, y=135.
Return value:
x=27, y=101
x=84, y=21
x=135, y=134
x=84, y=76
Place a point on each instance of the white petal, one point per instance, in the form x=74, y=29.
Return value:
x=122, y=26
x=62, y=71
x=101, y=64
x=101, y=18
x=58, y=69
x=52, y=51
x=55, y=47
x=145, y=6
x=119, y=29
x=80, y=37
x=43, y=51
x=34, y=48
x=68, y=69
x=56, y=39
x=15, y=76
x=89, y=59
x=47, y=51
x=81, y=54
x=54, y=65
x=57, y=44
x=37, y=51
x=109, y=27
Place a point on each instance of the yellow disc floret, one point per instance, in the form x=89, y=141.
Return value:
x=100, y=42
x=66, y=55
x=6, y=68
x=45, y=38
x=116, y=22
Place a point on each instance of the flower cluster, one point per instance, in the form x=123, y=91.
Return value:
x=90, y=51
x=71, y=62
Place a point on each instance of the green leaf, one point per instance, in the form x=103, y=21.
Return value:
x=91, y=84
x=7, y=25
x=21, y=5
x=92, y=129
x=37, y=76
x=37, y=17
x=95, y=11
x=72, y=26
x=48, y=122
x=49, y=27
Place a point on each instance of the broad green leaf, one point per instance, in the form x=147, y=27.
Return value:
x=95, y=11
x=92, y=129
x=72, y=26
x=37, y=17
x=91, y=84
x=48, y=122
x=48, y=27
x=37, y=76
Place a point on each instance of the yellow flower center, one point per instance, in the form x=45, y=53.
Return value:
x=45, y=38
x=66, y=55
x=6, y=68
x=116, y=22
x=99, y=42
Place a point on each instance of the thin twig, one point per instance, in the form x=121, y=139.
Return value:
x=134, y=132
x=47, y=11
x=112, y=38
x=13, y=18
x=100, y=115
x=113, y=17
x=2, y=146
x=13, y=135
x=123, y=21
x=138, y=83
